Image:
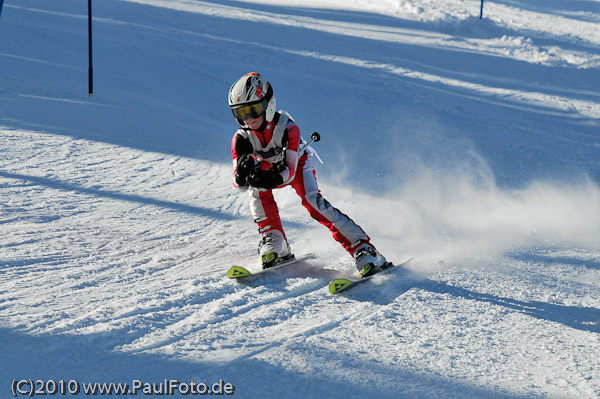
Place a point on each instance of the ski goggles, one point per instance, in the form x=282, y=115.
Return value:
x=252, y=110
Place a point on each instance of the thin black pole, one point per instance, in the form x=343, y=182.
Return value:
x=90, y=70
x=481, y=12
x=1, y=4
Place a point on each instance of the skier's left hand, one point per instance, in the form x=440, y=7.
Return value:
x=266, y=179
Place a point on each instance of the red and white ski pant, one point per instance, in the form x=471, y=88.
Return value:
x=266, y=213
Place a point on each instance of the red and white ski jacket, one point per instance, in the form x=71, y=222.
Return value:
x=275, y=144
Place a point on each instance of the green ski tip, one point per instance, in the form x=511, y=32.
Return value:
x=237, y=272
x=338, y=285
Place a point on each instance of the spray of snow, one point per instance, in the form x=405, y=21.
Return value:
x=446, y=208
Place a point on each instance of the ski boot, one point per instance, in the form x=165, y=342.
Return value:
x=368, y=260
x=273, y=248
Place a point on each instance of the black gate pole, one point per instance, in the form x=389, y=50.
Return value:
x=481, y=12
x=1, y=3
x=90, y=70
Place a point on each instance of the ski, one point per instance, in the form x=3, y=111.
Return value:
x=342, y=284
x=238, y=272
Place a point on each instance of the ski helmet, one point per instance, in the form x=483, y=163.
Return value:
x=251, y=96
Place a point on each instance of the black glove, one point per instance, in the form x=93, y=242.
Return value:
x=267, y=179
x=245, y=165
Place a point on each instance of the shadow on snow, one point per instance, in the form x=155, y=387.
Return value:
x=58, y=185
x=90, y=358
x=580, y=318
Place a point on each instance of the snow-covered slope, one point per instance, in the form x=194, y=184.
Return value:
x=471, y=145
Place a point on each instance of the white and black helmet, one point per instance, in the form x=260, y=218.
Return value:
x=251, y=96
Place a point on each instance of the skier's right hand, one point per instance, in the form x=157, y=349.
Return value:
x=245, y=165
x=265, y=179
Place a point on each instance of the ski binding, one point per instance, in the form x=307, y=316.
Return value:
x=342, y=284
x=238, y=272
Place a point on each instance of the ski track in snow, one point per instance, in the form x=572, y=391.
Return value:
x=113, y=256
x=519, y=48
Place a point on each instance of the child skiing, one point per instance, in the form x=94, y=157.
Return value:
x=268, y=153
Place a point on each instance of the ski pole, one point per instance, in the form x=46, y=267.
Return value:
x=314, y=137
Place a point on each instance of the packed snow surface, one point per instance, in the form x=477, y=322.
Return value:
x=471, y=145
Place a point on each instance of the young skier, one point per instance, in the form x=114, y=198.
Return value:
x=268, y=153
